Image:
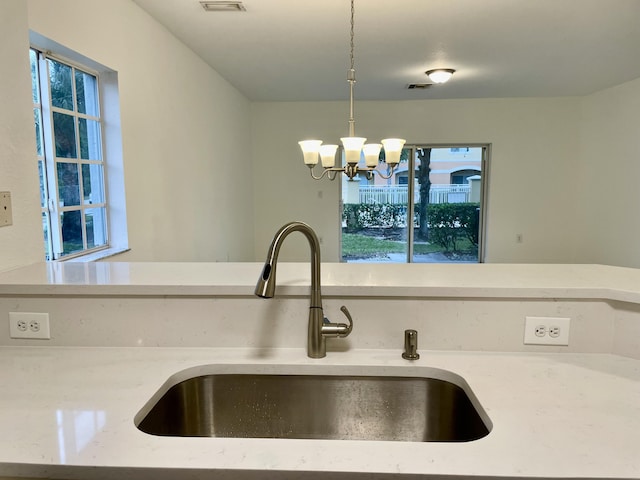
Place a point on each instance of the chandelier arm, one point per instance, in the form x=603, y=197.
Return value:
x=386, y=177
x=351, y=171
x=325, y=172
x=315, y=177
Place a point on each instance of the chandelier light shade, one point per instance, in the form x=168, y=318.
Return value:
x=440, y=75
x=393, y=149
x=371, y=153
x=310, y=150
x=328, y=155
x=354, y=147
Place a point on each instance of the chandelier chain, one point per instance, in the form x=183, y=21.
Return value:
x=351, y=77
x=351, y=54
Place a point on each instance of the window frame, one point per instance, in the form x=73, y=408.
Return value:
x=51, y=204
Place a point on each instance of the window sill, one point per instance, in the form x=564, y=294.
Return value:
x=95, y=256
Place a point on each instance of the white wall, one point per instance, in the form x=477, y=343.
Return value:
x=609, y=175
x=20, y=243
x=531, y=190
x=553, y=160
x=184, y=132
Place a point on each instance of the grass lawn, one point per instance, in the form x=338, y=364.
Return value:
x=363, y=246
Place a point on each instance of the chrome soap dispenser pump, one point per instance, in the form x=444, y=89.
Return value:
x=410, y=345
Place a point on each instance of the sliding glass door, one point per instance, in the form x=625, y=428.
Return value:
x=431, y=210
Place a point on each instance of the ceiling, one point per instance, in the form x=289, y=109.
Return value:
x=298, y=50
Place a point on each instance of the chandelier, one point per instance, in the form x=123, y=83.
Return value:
x=354, y=147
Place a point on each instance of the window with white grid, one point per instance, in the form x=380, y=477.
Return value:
x=69, y=139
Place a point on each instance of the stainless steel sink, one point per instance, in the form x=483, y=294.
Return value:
x=414, y=409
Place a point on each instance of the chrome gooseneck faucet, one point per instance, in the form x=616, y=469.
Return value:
x=319, y=326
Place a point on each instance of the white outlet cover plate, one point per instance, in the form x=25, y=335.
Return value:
x=6, y=215
x=42, y=333
x=530, y=324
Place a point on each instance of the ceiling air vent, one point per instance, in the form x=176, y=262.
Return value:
x=230, y=6
x=419, y=86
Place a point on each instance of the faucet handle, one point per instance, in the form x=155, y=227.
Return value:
x=349, y=329
x=337, y=329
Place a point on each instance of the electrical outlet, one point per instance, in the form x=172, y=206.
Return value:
x=29, y=325
x=546, y=331
x=540, y=331
x=6, y=217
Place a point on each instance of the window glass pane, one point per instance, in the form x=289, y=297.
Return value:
x=86, y=93
x=37, y=118
x=71, y=232
x=95, y=219
x=447, y=205
x=65, y=135
x=424, y=248
x=92, y=184
x=47, y=241
x=35, y=91
x=374, y=216
x=89, y=131
x=68, y=184
x=61, y=86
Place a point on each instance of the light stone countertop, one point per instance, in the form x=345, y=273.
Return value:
x=338, y=280
x=69, y=413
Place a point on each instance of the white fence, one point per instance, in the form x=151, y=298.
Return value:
x=398, y=194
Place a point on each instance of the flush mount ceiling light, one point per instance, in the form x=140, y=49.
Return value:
x=354, y=147
x=223, y=6
x=440, y=75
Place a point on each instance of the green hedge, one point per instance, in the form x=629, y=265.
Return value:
x=358, y=216
x=448, y=222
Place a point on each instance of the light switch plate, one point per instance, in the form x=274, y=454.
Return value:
x=6, y=215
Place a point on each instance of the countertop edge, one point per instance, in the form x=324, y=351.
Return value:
x=598, y=282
